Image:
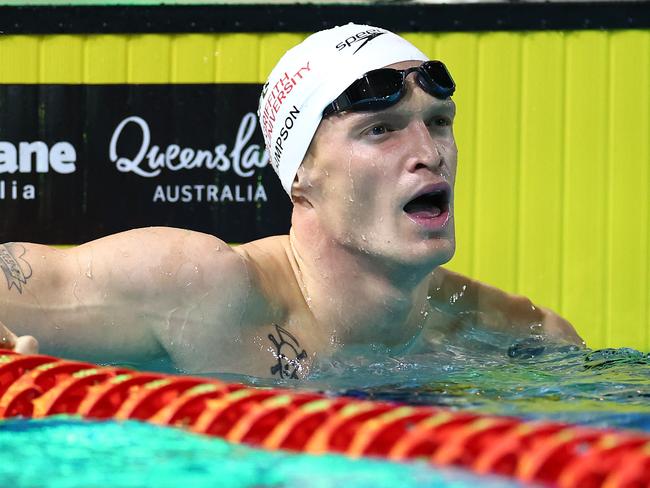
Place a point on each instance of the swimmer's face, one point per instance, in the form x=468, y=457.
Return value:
x=381, y=182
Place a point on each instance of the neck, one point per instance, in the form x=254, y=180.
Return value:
x=355, y=298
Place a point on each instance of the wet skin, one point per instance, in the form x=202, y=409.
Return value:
x=356, y=271
x=363, y=167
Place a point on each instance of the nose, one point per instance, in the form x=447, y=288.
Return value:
x=424, y=151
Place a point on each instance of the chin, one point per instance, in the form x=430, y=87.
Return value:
x=408, y=249
x=436, y=250
x=437, y=254
x=445, y=256
x=424, y=255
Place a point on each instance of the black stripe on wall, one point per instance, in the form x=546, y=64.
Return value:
x=308, y=18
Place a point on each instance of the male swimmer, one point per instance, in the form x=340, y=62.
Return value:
x=359, y=126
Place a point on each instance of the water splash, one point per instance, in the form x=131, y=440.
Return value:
x=89, y=269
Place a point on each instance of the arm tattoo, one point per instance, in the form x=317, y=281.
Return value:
x=286, y=353
x=16, y=269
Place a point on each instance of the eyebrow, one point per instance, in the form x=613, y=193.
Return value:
x=448, y=107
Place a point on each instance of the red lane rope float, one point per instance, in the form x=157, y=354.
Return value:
x=548, y=453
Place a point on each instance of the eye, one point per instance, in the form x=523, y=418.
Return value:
x=377, y=130
x=439, y=121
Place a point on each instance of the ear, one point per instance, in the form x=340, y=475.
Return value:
x=300, y=188
x=303, y=188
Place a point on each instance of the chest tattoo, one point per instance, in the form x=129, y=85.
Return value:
x=288, y=354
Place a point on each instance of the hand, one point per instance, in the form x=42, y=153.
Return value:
x=22, y=345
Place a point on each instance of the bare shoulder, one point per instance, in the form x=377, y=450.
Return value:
x=135, y=294
x=203, y=298
x=479, y=303
x=167, y=269
x=170, y=241
x=267, y=245
x=453, y=292
x=163, y=255
x=268, y=256
x=270, y=268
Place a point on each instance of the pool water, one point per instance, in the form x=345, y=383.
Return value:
x=606, y=388
x=63, y=452
x=603, y=388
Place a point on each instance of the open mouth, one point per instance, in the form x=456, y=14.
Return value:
x=429, y=205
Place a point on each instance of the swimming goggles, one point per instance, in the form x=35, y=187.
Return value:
x=381, y=88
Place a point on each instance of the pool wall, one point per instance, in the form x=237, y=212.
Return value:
x=553, y=129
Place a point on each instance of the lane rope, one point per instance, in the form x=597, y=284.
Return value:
x=542, y=452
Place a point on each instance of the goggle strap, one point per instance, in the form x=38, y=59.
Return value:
x=341, y=103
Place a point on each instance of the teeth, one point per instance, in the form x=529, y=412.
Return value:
x=436, y=211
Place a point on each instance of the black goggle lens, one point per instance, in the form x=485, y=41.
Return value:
x=383, y=87
x=376, y=84
x=438, y=78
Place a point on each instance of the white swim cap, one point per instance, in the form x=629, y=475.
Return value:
x=310, y=76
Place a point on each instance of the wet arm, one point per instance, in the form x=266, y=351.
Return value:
x=498, y=310
x=127, y=297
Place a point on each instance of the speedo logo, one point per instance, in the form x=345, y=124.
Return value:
x=363, y=37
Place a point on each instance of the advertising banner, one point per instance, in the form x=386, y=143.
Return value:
x=78, y=162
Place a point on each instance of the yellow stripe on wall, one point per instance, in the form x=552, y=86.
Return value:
x=541, y=165
x=585, y=223
x=628, y=156
x=552, y=127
